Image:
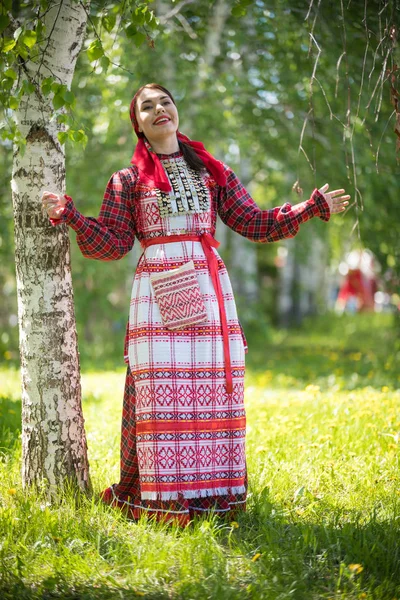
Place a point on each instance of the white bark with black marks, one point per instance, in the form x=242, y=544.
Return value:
x=53, y=434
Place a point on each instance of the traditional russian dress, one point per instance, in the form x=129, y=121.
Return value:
x=183, y=422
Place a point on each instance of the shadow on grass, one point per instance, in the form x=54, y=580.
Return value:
x=269, y=555
x=305, y=559
x=13, y=588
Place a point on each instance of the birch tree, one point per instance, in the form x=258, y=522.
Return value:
x=53, y=434
x=40, y=45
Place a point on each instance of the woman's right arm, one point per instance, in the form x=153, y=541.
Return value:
x=112, y=234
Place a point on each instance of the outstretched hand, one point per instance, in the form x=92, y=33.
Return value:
x=337, y=202
x=53, y=204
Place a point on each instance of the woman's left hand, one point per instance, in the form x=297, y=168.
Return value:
x=337, y=202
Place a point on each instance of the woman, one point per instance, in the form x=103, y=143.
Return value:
x=183, y=423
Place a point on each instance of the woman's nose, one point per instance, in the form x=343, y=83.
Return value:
x=159, y=107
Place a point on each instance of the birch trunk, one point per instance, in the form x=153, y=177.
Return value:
x=53, y=434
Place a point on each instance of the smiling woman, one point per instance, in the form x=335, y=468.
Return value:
x=183, y=422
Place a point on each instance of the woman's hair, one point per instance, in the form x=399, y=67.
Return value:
x=189, y=154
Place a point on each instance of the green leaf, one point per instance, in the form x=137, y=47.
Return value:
x=108, y=22
x=4, y=21
x=27, y=87
x=130, y=31
x=46, y=86
x=62, y=136
x=151, y=20
x=56, y=87
x=238, y=11
x=139, y=18
x=8, y=44
x=62, y=118
x=28, y=38
x=139, y=38
x=13, y=103
x=69, y=97
x=58, y=101
x=95, y=50
x=10, y=73
x=76, y=135
x=40, y=29
x=23, y=51
x=7, y=83
x=105, y=63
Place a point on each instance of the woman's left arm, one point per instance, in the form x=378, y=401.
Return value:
x=240, y=212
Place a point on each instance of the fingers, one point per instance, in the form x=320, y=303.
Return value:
x=49, y=200
x=53, y=204
x=324, y=188
x=336, y=193
x=339, y=206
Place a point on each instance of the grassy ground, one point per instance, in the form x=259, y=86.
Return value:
x=323, y=516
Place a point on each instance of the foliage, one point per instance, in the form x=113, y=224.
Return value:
x=246, y=90
x=324, y=489
x=24, y=41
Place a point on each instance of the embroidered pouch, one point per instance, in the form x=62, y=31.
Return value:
x=179, y=297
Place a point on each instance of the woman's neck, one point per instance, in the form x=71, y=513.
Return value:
x=167, y=146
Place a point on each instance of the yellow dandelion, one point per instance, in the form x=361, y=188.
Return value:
x=362, y=595
x=256, y=557
x=385, y=389
x=7, y=355
x=394, y=446
x=356, y=568
x=12, y=491
x=234, y=524
x=11, y=411
x=355, y=356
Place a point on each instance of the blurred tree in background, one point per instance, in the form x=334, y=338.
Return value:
x=283, y=94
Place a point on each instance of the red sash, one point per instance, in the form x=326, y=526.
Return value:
x=207, y=242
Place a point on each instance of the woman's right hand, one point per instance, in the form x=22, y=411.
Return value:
x=53, y=204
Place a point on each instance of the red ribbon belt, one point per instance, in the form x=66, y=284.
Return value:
x=207, y=242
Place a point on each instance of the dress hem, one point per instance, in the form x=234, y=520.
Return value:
x=188, y=494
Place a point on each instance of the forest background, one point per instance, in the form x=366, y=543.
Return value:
x=288, y=94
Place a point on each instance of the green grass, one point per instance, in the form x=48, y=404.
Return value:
x=324, y=504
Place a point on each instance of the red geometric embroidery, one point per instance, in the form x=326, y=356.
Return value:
x=179, y=297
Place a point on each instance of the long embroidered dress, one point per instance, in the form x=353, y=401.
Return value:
x=183, y=434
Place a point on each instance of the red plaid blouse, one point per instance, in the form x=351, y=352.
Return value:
x=112, y=234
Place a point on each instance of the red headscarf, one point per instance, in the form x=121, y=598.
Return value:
x=149, y=165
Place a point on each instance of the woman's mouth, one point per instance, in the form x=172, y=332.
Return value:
x=162, y=121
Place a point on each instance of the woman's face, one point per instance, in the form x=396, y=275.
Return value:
x=156, y=114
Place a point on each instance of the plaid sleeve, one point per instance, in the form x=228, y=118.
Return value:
x=112, y=234
x=239, y=211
